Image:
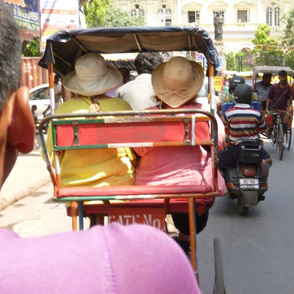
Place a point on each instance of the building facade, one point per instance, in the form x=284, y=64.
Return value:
x=240, y=17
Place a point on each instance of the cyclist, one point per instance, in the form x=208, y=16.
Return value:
x=243, y=123
x=279, y=98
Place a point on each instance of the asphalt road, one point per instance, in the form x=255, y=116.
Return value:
x=258, y=253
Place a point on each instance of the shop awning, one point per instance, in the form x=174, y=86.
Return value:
x=16, y=2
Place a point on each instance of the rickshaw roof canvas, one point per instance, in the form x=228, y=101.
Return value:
x=272, y=70
x=65, y=47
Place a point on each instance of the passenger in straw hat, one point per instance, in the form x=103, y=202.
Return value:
x=176, y=84
x=90, y=80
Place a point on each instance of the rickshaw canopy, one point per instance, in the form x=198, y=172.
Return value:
x=272, y=70
x=65, y=47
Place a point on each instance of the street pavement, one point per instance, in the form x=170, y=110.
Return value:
x=26, y=205
x=27, y=176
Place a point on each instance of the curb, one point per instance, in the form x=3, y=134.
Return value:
x=8, y=199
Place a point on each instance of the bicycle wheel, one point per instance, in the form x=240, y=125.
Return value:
x=288, y=138
x=219, y=286
x=280, y=141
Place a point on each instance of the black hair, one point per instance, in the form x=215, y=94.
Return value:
x=267, y=75
x=10, y=54
x=282, y=73
x=146, y=62
x=243, y=94
x=235, y=81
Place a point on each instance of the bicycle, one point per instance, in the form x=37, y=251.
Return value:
x=277, y=135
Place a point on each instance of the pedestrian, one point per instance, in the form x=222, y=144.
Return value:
x=262, y=88
x=113, y=259
x=57, y=90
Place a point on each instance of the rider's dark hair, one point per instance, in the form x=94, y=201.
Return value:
x=282, y=73
x=10, y=54
x=267, y=75
x=146, y=62
x=243, y=94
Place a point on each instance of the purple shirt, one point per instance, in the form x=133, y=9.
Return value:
x=113, y=259
x=279, y=97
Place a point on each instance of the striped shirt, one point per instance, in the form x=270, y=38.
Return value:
x=243, y=122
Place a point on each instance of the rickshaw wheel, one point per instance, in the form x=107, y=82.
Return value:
x=219, y=286
x=241, y=208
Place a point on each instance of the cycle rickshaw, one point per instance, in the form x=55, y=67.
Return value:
x=278, y=138
x=105, y=129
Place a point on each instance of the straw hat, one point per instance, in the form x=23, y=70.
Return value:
x=177, y=81
x=92, y=76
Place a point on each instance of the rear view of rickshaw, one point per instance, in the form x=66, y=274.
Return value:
x=278, y=138
x=129, y=129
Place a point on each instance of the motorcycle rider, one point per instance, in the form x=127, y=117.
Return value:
x=234, y=82
x=242, y=123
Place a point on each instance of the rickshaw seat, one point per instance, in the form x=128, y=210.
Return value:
x=129, y=190
x=173, y=205
x=191, y=127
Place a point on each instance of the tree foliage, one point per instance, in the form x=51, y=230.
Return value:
x=32, y=48
x=116, y=17
x=288, y=38
x=231, y=61
x=266, y=50
x=95, y=11
x=262, y=38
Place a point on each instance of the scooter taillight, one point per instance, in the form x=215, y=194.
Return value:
x=248, y=170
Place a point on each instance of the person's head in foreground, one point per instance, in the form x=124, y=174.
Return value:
x=16, y=120
x=243, y=94
x=113, y=259
x=177, y=81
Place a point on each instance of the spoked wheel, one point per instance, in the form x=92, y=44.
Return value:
x=288, y=138
x=241, y=208
x=219, y=286
x=280, y=141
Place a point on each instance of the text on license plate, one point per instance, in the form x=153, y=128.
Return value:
x=249, y=183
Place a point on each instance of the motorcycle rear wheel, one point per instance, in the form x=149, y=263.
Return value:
x=241, y=208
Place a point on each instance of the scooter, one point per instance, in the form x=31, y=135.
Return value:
x=248, y=181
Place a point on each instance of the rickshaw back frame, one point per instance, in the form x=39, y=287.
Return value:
x=65, y=47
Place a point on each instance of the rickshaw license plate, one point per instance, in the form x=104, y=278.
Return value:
x=154, y=217
x=249, y=183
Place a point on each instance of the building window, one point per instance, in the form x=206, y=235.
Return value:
x=193, y=16
x=242, y=16
x=221, y=14
x=164, y=16
x=273, y=15
x=277, y=16
x=137, y=11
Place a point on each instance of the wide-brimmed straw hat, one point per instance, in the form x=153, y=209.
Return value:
x=92, y=76
x=177, y=81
